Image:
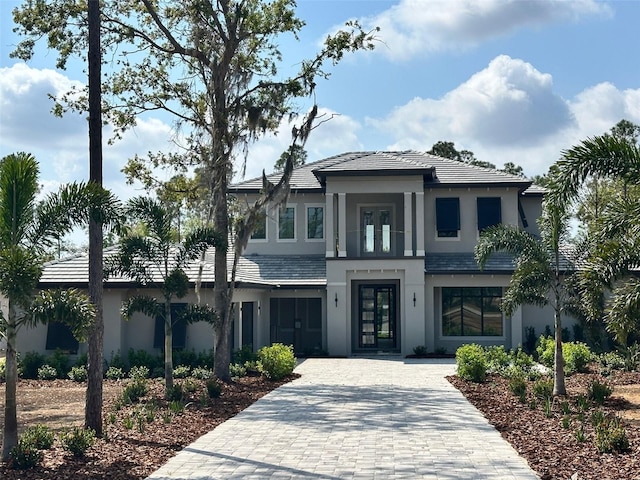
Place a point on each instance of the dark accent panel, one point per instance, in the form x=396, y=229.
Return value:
x=489, y=212
x=60, y=336
x=179, y=330
x=448, y=214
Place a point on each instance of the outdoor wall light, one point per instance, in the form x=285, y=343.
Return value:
x=414, y=299
x=336, y=299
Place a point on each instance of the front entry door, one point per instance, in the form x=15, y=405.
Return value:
x=377, y=327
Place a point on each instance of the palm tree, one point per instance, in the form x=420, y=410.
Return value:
x=613, y=242
x=537, y=278
x=151, y=257
x=27, y=229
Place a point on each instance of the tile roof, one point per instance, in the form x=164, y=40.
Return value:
x=438, y=171
x=465, y=262
x=258, y=270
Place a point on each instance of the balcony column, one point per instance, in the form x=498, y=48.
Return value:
x=330, y=240
x=342, y=224
x=408, y=225
x=420, y=224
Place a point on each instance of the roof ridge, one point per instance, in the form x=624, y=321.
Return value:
x=478, y=167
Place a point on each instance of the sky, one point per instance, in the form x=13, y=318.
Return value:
x=511, y=80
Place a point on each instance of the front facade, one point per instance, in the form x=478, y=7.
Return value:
x=372, y=253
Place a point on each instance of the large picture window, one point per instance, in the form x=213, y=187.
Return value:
x=471, y=312
x=447, y=217
x=59, y=336
x=287, y=223
x=489, y=212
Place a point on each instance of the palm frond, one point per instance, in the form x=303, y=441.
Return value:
x=198, y=313
x=508, y=239
x=142, y=304
x=153, y=215
x=604, y=156
x=197, y=241
x=623, y=309
x=18, y=190
x=20, y=271
x=70, y=307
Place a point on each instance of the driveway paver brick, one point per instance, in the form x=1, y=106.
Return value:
x=382, y=418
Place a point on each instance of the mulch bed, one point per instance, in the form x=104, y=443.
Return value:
x=136, y=452
x=552, y=450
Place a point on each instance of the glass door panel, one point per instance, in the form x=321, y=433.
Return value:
x=377, y=229
x=377, y=316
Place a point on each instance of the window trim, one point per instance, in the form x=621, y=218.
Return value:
x=393, y=227
x=504, y=318
x=295, y=225
x=307, y=206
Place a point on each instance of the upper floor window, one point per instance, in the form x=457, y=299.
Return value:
x=315, y=223
x=377, y=227
x=260, y=230
x=489, y=212
x=447, y=217
x=287, y=223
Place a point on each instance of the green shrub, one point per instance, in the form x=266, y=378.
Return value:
x=78, y=374
x=175, y=393
x=181, y=371
x=472, y=362
x=24, y=455
x=244, y=354
x=82, y=360
x=497, y=358
x=611, y=435
x=202, y=373
x=518, y=386
x=117, y=362
x=29, y=364
x=631, y=355
x=420, y=350
x=157, y=372
x=236, y=370
x=214, y=389
x=521, y=359
x=3, y=370
x=134, y=391
x=78, y=441
x=545, y=350
x=142, y=358
x=577, y=355
x=598, y=392
x=188, y=358
x=139, y=372
x=60, y=361
x=276, y=361
x=609, y=361
x=40, y=436
x=47, y=372
x=543, y=388
x=114, y=373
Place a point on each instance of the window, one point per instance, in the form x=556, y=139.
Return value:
x=287, y=223
x=489, y=212
x=59, y=336
x=179, y=330
x=260, y=231
x=471, y=312
x=315, y=223
x=447, y=217
x=377, y=238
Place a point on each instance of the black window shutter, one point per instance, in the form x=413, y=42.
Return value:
x=448, y=214
x=489, y=212
x=60, y=336
x=179, y=333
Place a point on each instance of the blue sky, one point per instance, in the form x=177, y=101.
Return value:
x=513, y=81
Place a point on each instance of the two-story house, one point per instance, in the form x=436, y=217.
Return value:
x=373, y=252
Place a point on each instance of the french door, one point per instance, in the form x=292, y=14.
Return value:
x=377, y=230
x=377, y=326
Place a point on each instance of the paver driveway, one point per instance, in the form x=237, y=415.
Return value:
x=355, y=418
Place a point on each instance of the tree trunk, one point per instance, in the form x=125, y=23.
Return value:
x=168, y=347
x=10, y=433
x=559, y=387
x=93, y=405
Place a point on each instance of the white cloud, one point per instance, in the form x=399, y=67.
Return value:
x=509, y=112
x=415, y=27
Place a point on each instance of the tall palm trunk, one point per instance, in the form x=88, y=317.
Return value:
x=559, y=387
x=93, y=405
x=168, y=346
x=10, y=433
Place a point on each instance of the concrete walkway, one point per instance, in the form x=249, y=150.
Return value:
x=355, y=418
